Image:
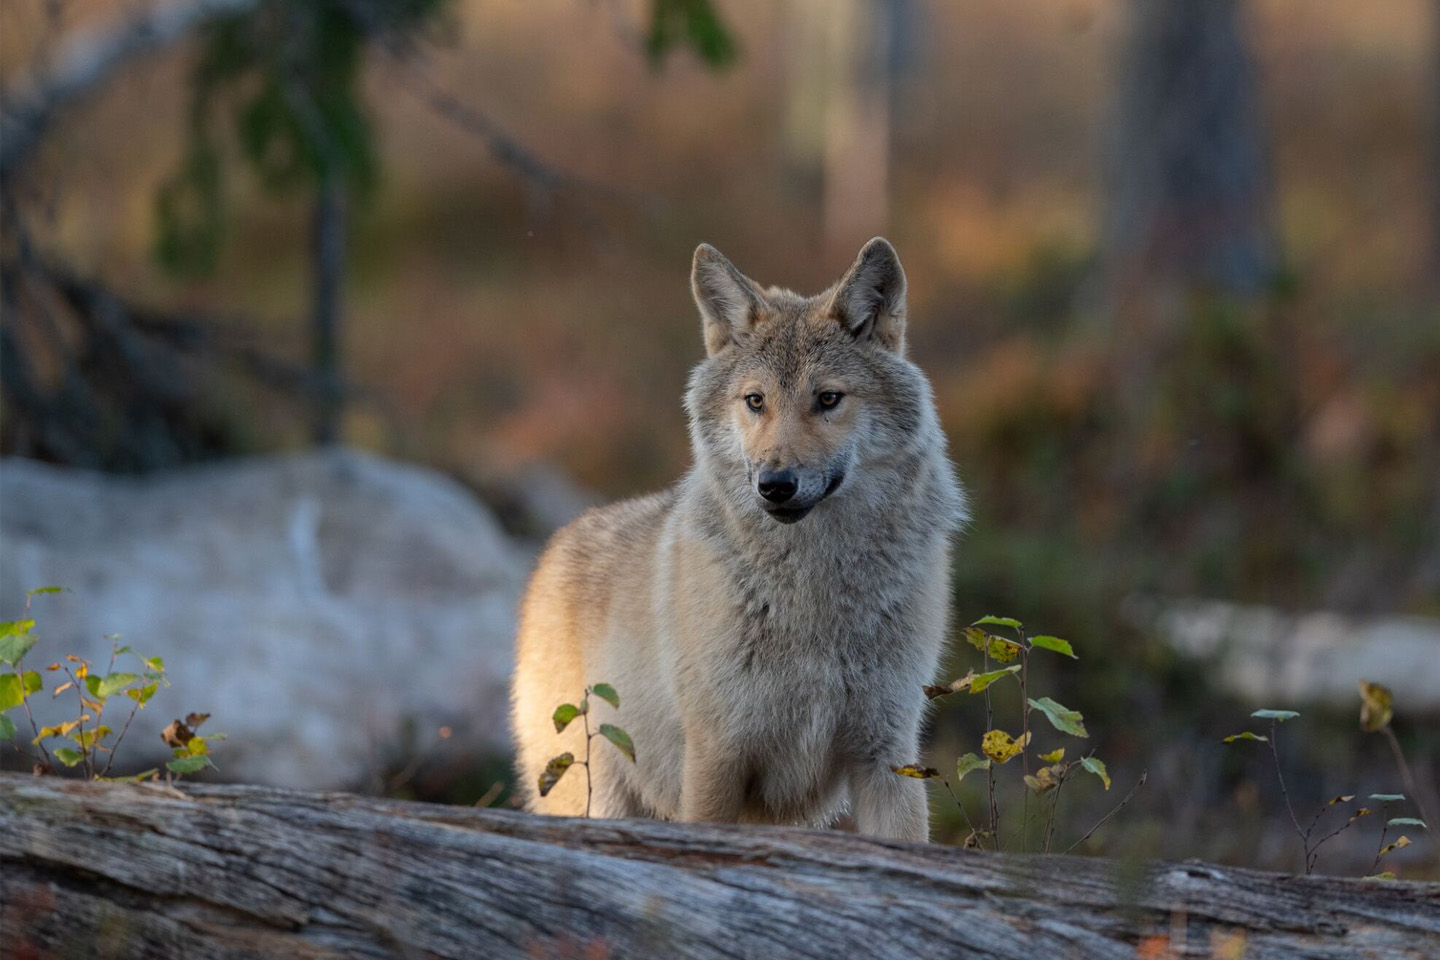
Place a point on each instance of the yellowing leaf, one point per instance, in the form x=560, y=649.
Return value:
x=998, y=648
x=1247, y=735
x=998, y=622
x=917, y=772
x=1097, y=767
x=978, y=682
x=1001, y=747
x=33, y=683
x=1387, y=875
x=1377, y=707
x=1399, y=844
x=554, y=770
x=968, y=764
x=1341, y=799
x=1062, y=718
x=1044, y=780
x=59, y=729
x=1054, y=756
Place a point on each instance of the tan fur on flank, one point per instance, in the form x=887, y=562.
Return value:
x=769, y=653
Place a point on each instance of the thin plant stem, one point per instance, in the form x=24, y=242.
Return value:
x=116, y=746
x=1024, y=735
x=1384, y=832
x=1138, y=784
x=990, y=771
x=963, y=812
x=80, y=721
x=1054, y=803
x=589, y=780
x=1412, y=791
x=25, y=701
x=1303, y=835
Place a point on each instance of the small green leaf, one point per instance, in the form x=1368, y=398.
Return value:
x=607, y=693
x=16, y=640
x=120, y=650
x=1247, y=735
x=7, y=727
x=191, y=764
x=982, y=680
x=997, y=622
x=563, y=715
x=114, y=683
x=40, y=590
x=1388, y=797
x=33, y=683
x=554, y=770
x=1054, y=756
x=1407, y=822
x=968, y=764
x=1097, y=767
x=1062, y=718
x=142, y=695
x=155, y=663
x=1053, y=643
x=12, y=691
x=917, y=772
x=92, y=683
x=1279, y=716
x=88, y=738
x=1387, y=875
x=620, y=738
x=68, y=756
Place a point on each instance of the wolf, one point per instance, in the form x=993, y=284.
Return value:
x=769, y=621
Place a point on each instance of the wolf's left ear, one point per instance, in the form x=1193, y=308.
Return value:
x=870, y=299
x=730, y=303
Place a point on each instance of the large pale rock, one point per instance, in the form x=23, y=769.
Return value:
x=314, y=604
x=1267, y=655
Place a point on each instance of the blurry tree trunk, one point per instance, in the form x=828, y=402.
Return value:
x=837, y=120
x=1189, y=193
x=1434, y=265
x=328, y=262
x=121, y=871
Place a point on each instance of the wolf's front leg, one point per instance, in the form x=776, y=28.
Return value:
x=885, y=804
x=712, y=790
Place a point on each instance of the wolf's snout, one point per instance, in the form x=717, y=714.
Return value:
x=777, y=486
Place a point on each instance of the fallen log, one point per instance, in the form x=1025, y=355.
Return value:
x=120, y=870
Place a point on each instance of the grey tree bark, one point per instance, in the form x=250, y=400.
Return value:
x=1189, y=177
x=121, y=871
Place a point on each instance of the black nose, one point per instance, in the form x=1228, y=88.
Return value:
x=777, y=486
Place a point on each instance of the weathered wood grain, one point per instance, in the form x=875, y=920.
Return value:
x=121, y=871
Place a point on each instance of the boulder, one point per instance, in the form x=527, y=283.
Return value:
x=1274, y=658
x=315, y=604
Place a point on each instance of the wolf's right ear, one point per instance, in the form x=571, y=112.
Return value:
x=730, y=303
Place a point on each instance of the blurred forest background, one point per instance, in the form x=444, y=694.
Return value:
x=1174, y=272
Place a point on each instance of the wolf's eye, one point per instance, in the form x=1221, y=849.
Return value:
x=829, y=399
x=755, y=402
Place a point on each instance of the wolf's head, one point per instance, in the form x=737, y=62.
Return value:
x=802, y=399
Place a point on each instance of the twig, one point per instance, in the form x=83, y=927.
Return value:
x=1054, y=803
x=1304, y=836
x=990, y=770
x=589, y=780
x=1411, y=790
x=1138, y=784
x=25, y=701
x=116, y=746
x=1384, y=832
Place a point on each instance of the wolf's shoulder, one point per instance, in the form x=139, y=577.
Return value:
x=615, y=526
